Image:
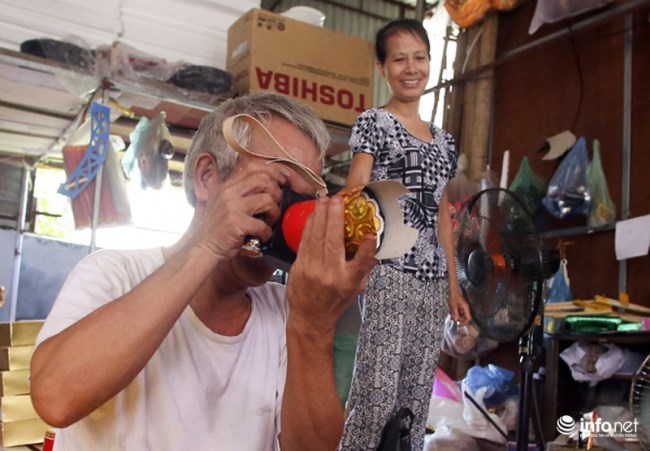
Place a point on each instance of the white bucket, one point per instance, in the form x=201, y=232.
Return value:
x=307, y=14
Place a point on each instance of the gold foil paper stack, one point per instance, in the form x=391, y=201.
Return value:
x=19, y=422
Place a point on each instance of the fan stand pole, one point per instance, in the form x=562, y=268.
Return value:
x=525, y=387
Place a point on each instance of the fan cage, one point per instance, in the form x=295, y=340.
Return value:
x=640, y=402
x=499, y=263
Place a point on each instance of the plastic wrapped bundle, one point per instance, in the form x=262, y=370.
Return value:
x=568, y=191
x=203, y=79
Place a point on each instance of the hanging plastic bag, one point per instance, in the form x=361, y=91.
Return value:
x=460, y=189
x=465, y=342
x=151, y=149
x=560, y=290
x=554, y=11
x=603, y=210
x=568, y=192
x=530, y=188
x=114, y=207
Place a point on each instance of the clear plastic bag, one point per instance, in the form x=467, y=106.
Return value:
x=459, y=190
x=568, y=191
x=465, y=342
x=603, y=210
x=76, y=54
x=149, y=151
x=549, y=11
x=122, y=61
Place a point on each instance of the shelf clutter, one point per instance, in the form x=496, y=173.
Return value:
x=19, y=422
x=601, y=314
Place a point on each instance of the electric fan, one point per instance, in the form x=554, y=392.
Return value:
x=640, y=402
x=501, y=266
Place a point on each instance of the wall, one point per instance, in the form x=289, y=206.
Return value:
x=577, y=84
x=45, y=265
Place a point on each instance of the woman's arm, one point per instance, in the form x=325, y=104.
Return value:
x=360, y=169
x=458, y=306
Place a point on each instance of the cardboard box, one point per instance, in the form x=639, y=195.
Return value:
x=328, y=70
x=16, y=357
x=19, y=333
x=14, y=382
x=23, y=432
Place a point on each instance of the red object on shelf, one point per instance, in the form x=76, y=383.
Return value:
x=48, y=440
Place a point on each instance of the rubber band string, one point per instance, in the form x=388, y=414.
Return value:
x=281, y=155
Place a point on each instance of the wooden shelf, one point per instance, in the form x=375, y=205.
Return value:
x=37, y=110
x=561, y=391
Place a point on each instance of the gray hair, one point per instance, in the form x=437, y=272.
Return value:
x=209, y=137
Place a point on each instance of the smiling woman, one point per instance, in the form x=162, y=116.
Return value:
x=406, y=298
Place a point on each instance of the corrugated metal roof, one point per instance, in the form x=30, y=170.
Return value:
x=194, y=31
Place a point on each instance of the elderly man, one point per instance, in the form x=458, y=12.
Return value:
x=190, y=347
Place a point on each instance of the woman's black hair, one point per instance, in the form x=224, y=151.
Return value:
x=412, y=26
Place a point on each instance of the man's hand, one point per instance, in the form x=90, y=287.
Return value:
x=321, y=282
x=244, y=205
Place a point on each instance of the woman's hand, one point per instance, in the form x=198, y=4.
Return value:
x=459, y=308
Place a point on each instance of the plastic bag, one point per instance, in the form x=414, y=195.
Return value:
x=603, y=210
x=446, y=438
x=568, y=191
x=74, y=52
x=593, y=362
x=445, y=387
x=529, y=187
x=560, y=291
x=203, y=79
x=465, y=342
x=120, y=60
x=475, y=419
x=548, y=11
x=466, y=13
x=496, y=381
x=150, y=148
x=464, y=417
x=460, y=189
x=114, y=207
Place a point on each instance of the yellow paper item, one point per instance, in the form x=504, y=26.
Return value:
x=17, y=408
x=14, y=382
x=23, y=432
x=19, y=333
x=16, y=357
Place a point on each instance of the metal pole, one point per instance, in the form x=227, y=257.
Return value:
x=18, y=251
x=627, y=139
x=419, y=10
x=96, y=204
x=98, y=192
